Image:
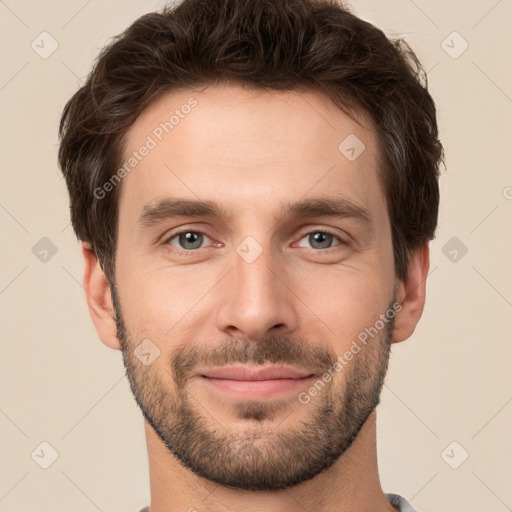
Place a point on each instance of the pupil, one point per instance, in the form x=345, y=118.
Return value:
x=321, y=238
x=190, y=238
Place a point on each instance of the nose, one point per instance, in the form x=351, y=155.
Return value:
x=255, y=299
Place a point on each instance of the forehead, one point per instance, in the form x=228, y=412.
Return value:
x=245, y=147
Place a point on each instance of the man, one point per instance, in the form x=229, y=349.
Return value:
x=255, y=186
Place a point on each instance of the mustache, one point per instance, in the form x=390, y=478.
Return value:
x=275, y=349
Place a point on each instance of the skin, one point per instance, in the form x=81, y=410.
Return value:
x=298, y=303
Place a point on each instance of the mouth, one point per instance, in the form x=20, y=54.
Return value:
x=245, y=382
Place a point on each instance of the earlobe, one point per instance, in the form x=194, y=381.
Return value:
x=411, y=294
x=99, y=299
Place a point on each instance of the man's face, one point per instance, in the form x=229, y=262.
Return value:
x=263, y=285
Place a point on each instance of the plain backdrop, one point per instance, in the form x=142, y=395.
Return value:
x=444, y=425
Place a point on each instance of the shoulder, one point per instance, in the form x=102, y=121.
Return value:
x=394, y=499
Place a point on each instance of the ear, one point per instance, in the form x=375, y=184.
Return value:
x=99, y=299
x=410, y=293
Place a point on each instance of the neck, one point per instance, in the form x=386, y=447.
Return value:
x=351, y=484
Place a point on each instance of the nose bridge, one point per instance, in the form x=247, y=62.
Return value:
x=254, y=269
x=255, y=299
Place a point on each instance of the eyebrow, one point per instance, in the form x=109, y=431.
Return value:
x=337, y=207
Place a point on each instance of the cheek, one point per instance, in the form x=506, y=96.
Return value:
x=346, y=301
x=336, y=302
x=160, y=301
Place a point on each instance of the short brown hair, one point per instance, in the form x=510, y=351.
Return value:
x=276, y=45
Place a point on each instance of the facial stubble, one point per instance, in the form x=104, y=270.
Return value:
x=263, y=455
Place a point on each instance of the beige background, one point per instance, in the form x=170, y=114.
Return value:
x=449, y=383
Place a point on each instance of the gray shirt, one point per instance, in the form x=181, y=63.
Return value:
x=394, y=499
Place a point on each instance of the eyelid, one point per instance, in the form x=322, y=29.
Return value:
x=173, y=234
x=310, y=230
x=184, y=229
x=305, y=232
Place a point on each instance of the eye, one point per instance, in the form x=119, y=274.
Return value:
x=321, y=239
x=187, y=240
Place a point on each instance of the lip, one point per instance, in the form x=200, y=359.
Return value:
x=249, y=383
x=246, y=373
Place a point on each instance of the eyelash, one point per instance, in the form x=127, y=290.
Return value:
x=190, y=252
